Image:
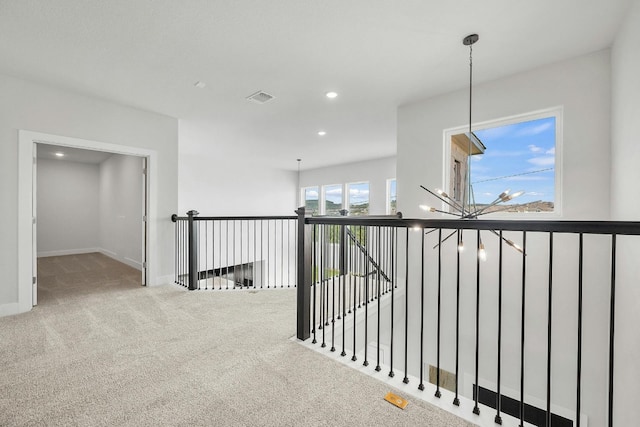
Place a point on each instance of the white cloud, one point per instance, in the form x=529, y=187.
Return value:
x=535, y=130
x=535, y=193
x=543, y=161
x=487, y=194
x=551, y=151
x=334, y=191
x=311, y=193
x=535, y=148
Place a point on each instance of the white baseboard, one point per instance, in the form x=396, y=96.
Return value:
x=161, y=281
x=9, y=309
x=67, y=252
x=130, y=262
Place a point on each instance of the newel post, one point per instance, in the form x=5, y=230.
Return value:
x=303, y=327
x=193, y=251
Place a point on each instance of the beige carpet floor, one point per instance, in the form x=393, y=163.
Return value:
x=101, y=350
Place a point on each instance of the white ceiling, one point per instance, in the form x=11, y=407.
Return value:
x=377, y=54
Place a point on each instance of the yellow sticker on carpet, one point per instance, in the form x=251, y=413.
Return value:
x=396, y=400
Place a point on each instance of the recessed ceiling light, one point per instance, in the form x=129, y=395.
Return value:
x=200, y=85
x=322, y=133
x=58, y=154
x=331, y=95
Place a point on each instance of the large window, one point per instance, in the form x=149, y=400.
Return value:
x=310, y=195
x=392, y=207
x=332, y=199
x=358, y=198
x=519, y=154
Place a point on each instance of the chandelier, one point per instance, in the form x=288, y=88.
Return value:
x=465, y=207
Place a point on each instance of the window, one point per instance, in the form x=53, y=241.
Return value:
x=311, y=200
x=392, y=208
x=513, y=154
x=358, y=198
x=332, y=199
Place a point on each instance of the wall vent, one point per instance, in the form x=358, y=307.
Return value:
x=260, y=97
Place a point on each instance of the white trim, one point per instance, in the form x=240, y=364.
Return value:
x=348, y=194
x=26, y=141
x=9, y=309
x=303, y=196
x=388, y=196
x=558, y=113
x=64, y=252
x=323, y=207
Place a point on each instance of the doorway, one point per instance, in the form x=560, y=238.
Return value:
x=27, y=205
x=86, y=202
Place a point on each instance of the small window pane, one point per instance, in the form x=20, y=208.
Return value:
x=519, y=156
x=332, y=199
x=311, y=200
x=359, y=198
x=392, y=208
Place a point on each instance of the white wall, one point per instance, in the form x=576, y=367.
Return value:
x=120, y=201
x=582, y=87
x=216, y=180
x=376, y=172
x=625, y=205
x=67, y=207
x=35, y=107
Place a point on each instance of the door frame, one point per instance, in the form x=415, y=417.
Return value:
x=27, y=141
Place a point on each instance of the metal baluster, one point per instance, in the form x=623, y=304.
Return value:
x=288, y=253
x=227, y=254
x=549, y=324
x=456, y=401
x=406, y=308
x=421, y=385
x=378, y=368
x=612, y=318
x=498, y=418
x=437, y=393
x=351, y=275
x=393, y=279
x=323, y=302
x=476, y=409
x=366, y=298
x=522, y=325
x=206, y=257
x=255, y=258
x=268, y=264
x=579, y=361
x=344, y=305
x=314, y=277
x=264, y=266
x=333, y=296
x=355, y=282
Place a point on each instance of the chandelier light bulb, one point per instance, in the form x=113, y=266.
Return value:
x=461, y=246
x=427, y=208
x=514, y=195
x=482, y=254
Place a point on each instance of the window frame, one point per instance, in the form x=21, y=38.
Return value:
x=557, y=113
x=323, y=210
x=348, y=195
x=303, y=191
x=388, y=197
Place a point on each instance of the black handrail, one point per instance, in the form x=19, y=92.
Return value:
x=631, y=228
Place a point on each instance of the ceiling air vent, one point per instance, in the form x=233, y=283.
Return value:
x=260, y=97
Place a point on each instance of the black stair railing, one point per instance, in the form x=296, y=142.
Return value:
x=490, y=321
x=232, y=252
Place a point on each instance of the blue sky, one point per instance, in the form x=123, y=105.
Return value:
x=525, y=149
